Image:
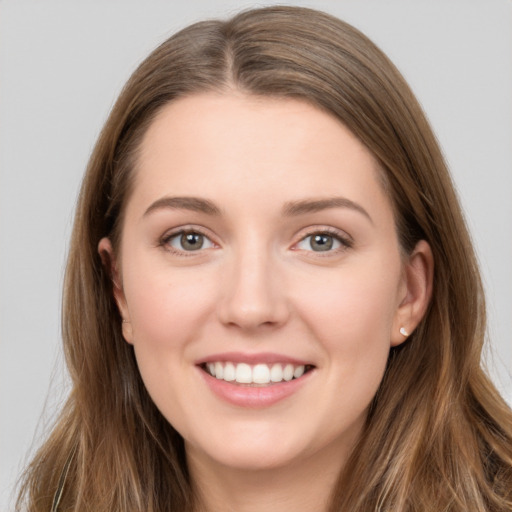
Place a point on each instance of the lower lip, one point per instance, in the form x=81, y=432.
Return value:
x=253, y=397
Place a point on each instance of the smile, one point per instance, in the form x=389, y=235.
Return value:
x=255, y=374
x=255, y=380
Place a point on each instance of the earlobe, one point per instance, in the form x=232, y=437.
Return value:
x=110, y=263
x=418, y=276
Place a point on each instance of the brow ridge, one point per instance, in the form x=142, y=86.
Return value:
x=291, y=208
x=303, y=206
x=195, y=204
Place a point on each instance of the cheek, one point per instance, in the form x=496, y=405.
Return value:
x=165, y=306
x=168, y=311
x=352, y=313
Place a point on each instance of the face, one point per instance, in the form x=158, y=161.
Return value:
x=260, y=278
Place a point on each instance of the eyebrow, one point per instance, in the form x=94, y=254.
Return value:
x=290, y=209
x=316, y=205
x=194, y=204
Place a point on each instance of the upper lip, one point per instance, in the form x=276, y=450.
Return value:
x=255, y=358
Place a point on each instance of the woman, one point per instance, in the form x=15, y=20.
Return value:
x=271, y=298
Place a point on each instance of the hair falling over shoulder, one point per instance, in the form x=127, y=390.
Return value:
x=438, y=436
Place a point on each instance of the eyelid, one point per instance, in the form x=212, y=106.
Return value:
x=344, y=238
x=178, y=231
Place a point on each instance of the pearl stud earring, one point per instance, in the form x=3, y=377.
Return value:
x=403, y=332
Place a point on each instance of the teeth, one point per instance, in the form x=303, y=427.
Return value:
x=261, y=374
x=219, y=370
x=243, y=373
x=276, y=373
x=229, y=372
x=258, y=374
x=298, y=372
x=288, y=372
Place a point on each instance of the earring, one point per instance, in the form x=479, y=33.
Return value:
x=125, y=321
x=403, y=332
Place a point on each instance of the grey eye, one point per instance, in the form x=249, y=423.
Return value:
x=319, y=242
x=190, y=241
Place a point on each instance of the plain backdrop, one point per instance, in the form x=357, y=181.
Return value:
x=62, y=64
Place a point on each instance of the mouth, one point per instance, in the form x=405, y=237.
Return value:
x=255, y=381
x=255, y=375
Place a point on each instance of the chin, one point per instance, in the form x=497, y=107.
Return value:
x=248, y=453
x=253, y=460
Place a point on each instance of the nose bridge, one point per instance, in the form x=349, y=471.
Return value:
x=253, y=295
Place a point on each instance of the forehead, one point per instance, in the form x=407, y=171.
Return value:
x=253, y=147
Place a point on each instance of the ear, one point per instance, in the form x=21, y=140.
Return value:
x=416, y=292
x=109, y=260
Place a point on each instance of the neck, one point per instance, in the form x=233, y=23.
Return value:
x=302, y=486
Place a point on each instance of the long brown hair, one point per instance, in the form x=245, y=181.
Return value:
x=438, y=435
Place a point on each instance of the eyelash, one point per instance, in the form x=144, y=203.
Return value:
x=166, y=240
x=345, y=242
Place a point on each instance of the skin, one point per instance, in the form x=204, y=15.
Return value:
x=258, y=285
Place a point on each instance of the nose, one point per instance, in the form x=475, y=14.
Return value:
x=253, y=295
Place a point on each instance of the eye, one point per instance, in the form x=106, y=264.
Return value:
x=188, y=241
x=322, y=242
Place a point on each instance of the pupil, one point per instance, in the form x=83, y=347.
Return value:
x=192, y=241
x=322, y=243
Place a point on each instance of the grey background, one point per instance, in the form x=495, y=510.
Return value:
x=62, y=64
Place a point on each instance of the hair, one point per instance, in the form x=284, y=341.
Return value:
x=438, y=435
